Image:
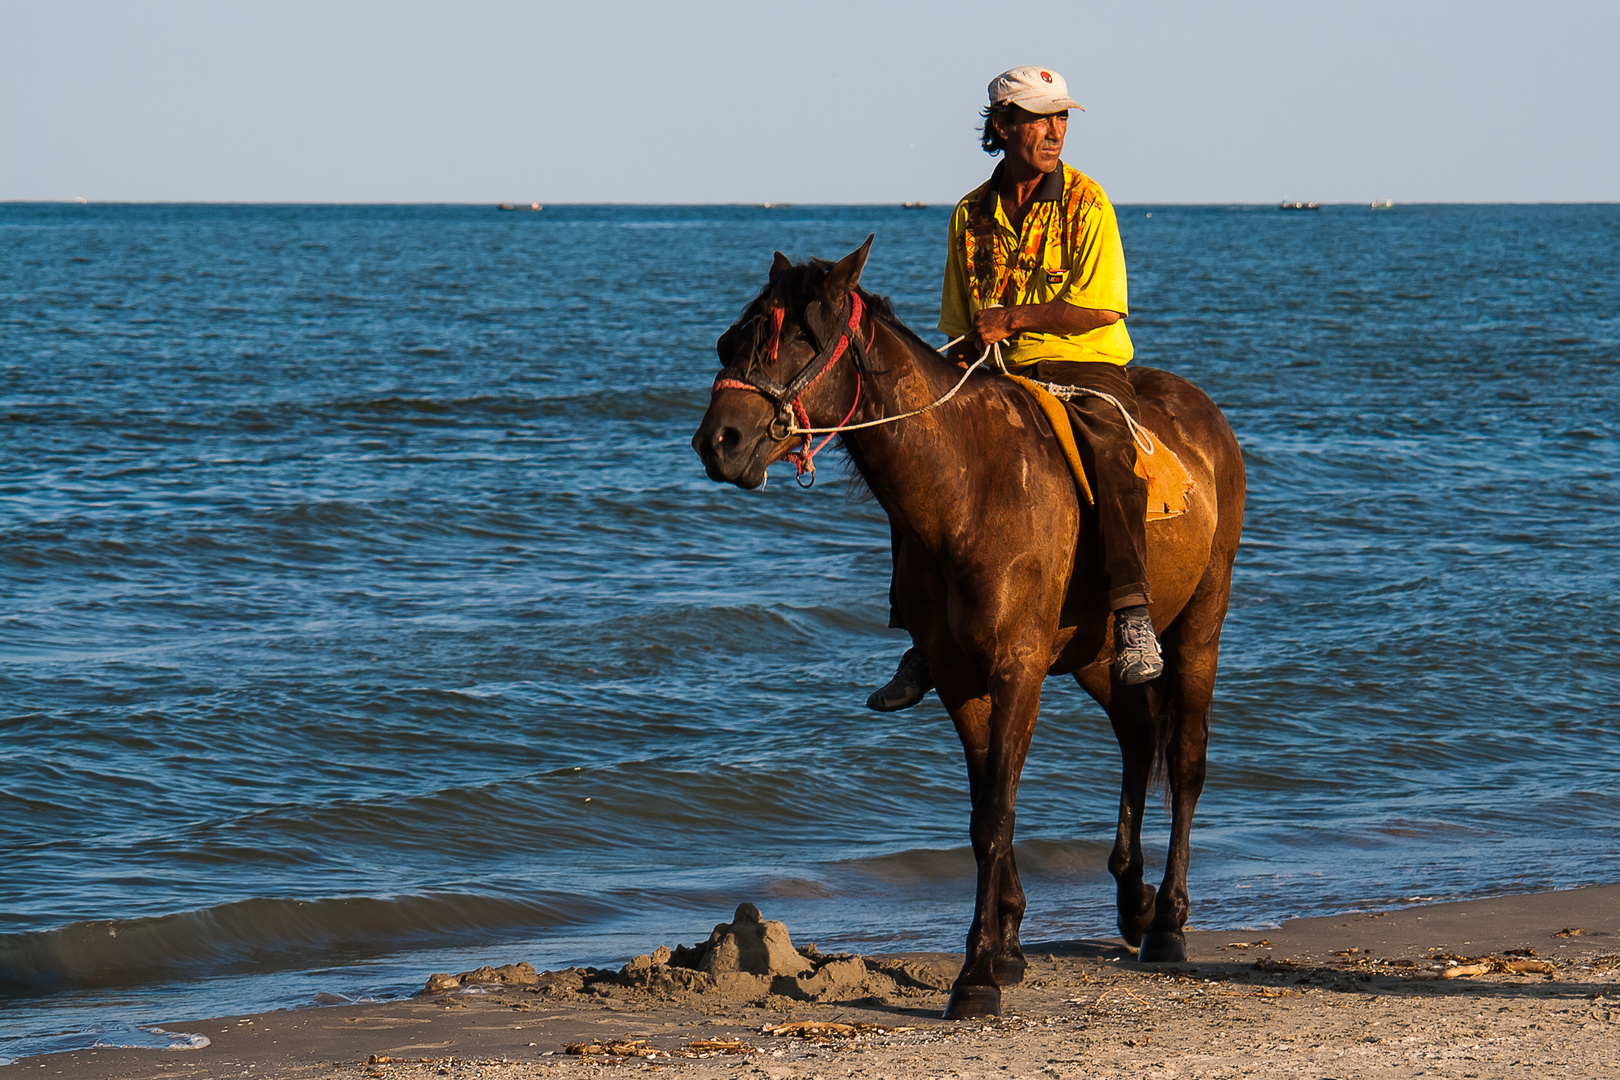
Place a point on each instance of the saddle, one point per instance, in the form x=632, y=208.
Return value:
x=1169, y=482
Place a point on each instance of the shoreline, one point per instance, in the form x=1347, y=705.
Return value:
x=1354, y=994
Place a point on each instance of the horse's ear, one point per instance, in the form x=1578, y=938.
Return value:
x=779, y=265
x=727, y=343
x=847, y=274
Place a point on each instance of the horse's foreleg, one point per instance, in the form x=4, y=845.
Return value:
x=999, y=899
x=1009, y=964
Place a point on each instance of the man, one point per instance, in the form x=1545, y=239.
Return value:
x=1035, y=263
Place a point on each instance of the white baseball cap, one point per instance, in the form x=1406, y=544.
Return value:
x=1039, y=90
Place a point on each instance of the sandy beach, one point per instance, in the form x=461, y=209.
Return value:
x=1513, y=985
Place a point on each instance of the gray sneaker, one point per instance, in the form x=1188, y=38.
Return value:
x=1136, y=649
x=910, y=684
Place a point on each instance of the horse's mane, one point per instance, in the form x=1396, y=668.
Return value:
x=883, y=309
x=806, y=276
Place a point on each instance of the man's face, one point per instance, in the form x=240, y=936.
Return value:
x=1036, y=141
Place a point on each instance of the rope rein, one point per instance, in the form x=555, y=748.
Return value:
x=936, y=403
x=1139, y=434
x=804, y=457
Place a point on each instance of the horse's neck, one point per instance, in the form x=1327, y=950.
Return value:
x=911, y=463
x=911, y=375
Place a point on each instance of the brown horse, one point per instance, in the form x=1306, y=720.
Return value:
x=997, y=573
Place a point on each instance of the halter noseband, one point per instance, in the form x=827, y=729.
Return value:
x=790, y=415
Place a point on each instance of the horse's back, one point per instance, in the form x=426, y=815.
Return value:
x=1195, y=548
x=1192, y=424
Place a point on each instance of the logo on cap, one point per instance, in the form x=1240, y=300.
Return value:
x=1046, y=75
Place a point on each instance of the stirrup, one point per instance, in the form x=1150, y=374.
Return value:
x=910, y=684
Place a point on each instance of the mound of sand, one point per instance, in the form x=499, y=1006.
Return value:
x=750, y=959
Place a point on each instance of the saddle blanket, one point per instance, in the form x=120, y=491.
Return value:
x=1169, y=482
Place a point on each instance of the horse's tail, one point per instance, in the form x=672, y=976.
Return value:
x=1164, y=712
x=1167, y=711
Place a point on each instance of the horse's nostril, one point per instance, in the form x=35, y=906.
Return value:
x=728, y=438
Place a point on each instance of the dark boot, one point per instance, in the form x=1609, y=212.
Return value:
x=910, y=683
x=1136, y=649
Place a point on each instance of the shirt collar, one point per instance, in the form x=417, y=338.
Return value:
x=1050, y=189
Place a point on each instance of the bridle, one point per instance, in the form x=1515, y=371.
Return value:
x=791, y=419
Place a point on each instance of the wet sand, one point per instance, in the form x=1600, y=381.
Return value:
x=1343, y=996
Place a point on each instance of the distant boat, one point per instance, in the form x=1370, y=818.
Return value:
x=1300, y=206
x=512, y=206
x=915, y=205
x=772, y=205
x=1383, y=204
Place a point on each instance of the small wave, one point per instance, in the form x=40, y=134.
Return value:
x=1036, y=858
x=393, y=404
x=160, y=1039
x=494, y=405
x=327, y=512
x=261, y=934
x=109, y=1036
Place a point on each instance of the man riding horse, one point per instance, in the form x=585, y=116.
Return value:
x=1035, y=265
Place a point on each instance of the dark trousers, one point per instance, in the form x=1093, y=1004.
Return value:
x=1109, y=453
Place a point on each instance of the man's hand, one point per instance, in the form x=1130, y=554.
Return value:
x=991, y=325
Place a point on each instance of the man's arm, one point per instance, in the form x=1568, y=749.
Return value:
x=953, y=298
x=1058, y=317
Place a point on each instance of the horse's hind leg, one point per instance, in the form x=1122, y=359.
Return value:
x=1186, y=756
x=1132, y=712
x=1194, y=647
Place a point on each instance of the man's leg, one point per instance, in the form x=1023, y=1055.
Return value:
x=1121, y=500
x=912, y=680
x=1121, y=508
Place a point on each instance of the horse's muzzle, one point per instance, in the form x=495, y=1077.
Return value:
x=732, y=454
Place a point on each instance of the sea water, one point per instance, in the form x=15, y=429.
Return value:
x=367, y=613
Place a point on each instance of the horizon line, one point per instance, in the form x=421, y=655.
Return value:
x=762, y=205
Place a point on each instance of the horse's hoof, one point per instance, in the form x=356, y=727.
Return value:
x=1133, y=927
x=1008, y=970
x=968, y=1002
x=1163, y=947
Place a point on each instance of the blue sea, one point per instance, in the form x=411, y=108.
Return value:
x=366, y=612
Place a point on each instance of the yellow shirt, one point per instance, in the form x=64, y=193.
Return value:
x=1068, y=249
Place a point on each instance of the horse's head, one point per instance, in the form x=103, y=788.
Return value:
x=779, y=370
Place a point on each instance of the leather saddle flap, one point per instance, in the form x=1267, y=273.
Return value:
x=1169, y=482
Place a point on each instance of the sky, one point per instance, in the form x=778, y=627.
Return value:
x=838, y=102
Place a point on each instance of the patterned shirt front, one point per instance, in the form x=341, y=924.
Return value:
x=1067, y=249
